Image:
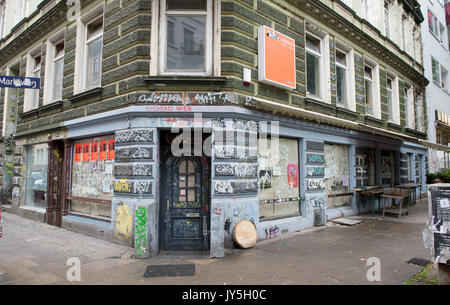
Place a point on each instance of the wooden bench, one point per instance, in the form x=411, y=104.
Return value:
x=396, y=194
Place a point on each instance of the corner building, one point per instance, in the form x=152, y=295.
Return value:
x=91, y=150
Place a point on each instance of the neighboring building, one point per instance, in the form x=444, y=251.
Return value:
x=437, y=66
x=91, y=150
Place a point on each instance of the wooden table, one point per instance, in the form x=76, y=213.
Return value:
x=412, y=187
x=369, y=191
x=396, y=194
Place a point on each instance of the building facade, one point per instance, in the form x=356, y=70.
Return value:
x=437, y=64
x=278, y=141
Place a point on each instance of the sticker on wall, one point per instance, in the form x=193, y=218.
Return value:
x=78, y=152
x=276, y=58
x=111, y=149
x=102, y=154
x=86, y=152
x=94, y=151
x=293, y=175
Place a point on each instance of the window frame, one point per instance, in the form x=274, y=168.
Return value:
x=376, y=88
x=81, y=50
x=321, y=66
x=395, y=119
x=50, y=60
x=209, y=38
x=28, y=103
x=87, y=42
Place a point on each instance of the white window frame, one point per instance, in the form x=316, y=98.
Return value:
x=350, y=75
x=409, y=106
x=212, y=43
x=81, y=49
x=50, y=66
x=438, y=82
x=387, y=18
x=2, y=17
x=395, y=99
x=325, y=80
x=28, y=103
x=346, y=80
x=376, y=91
x=434, y=27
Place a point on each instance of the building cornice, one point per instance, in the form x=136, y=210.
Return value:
x=327, y=15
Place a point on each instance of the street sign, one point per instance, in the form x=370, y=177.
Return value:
x=20, y=82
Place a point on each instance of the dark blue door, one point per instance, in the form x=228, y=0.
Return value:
x=185, y=202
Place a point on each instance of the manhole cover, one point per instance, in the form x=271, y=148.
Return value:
x=170, y=270
x=418, y=262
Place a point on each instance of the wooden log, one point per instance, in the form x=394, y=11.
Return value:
x=244, y=234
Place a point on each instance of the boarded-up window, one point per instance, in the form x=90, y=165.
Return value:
x=278, y=179
x=36, y=176
x=92, y=177
x=337, y=175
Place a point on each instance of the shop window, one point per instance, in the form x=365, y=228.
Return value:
x=36, y=176
x=365, y=167
x=387, y=168
x=186, y=37
x=92, y=177
x=337, y=175
x=278, y=179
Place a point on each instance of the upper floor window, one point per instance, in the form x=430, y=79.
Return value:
x=2, y=17
x=31, y=99
x=393, y=99
x=390, y=99
x=404, y=33
x=369, y=89
x=54, y=69
x=93, y=53
x=433, y=24
x=387, y=19
x=21, y=9
x=313, y=65
x=436, y=71
x=186, y=37
x=342, y=78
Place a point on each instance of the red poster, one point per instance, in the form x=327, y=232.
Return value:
x=86, y=152
x=102, y=156
x=111, y=149
x=293, y=175
x=94, y=151
x=78, y=152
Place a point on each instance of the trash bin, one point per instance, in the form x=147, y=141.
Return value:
x=319, y=217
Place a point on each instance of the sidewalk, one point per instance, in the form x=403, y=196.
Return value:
x=34, y=253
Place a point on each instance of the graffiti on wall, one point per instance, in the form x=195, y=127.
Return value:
x=124, y=222
x=140, y=242
x=315, y=158
x=315, y=184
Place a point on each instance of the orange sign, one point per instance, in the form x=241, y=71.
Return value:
x=94, y=151
x=86, y=152
x=78, y=152
x=111, y=149
x=276, y=58
x=103, y=148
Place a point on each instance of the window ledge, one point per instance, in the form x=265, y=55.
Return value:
x=160, y=82
x=347, y=111
x=86, y=95
x=29, y=113
x=394, y=126
x=50, y=106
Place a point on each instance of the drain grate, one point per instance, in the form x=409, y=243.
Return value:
x=170, y=270
x=418, y=262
